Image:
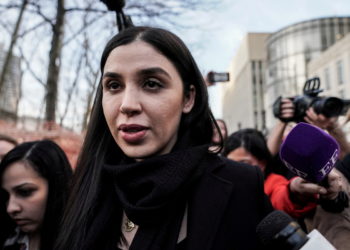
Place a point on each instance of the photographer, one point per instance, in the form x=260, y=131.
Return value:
x=330, y=218
x=282, y=127
x=332, y=126
x=309, y=107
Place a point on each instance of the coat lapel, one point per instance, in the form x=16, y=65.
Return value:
x=206, y=209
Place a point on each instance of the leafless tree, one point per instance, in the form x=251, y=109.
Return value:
x=61, y=29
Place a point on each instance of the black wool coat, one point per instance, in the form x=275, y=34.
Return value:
x=227, y=205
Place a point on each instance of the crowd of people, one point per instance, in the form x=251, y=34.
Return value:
x=157, y=171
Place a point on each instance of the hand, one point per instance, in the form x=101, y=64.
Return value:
x=319, y=120
x=335, y=185
x=303, y=189
x=347, y=118
x=287, y=108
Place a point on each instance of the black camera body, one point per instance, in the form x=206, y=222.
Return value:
x=328, y=106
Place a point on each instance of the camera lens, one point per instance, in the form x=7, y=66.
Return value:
x=329, y=106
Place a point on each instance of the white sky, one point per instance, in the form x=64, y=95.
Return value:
x=228, y=24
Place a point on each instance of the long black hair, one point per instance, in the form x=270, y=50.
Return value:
x=51, y=163
x=253, y=141
x=99, y=145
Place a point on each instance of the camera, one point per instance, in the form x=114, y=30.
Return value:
x=214, y=77
x=327, y=106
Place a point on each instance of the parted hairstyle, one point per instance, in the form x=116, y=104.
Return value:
x=253, y=141
x=99, y=146
x=51, y=163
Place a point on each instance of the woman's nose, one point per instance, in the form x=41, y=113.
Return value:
x=13, y=206
x=130, y=104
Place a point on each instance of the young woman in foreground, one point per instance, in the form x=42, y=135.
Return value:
x=145, y=179
x=34, y=188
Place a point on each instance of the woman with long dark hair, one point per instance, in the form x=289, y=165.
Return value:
x=145, y=178
x=34, y=188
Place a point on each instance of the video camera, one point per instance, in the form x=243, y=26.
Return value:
x=328, y=106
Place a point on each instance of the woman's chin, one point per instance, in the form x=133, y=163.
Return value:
x=28, y=229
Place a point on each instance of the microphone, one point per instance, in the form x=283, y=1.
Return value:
x=279, y=231
x=115, y=5
x=309, y=152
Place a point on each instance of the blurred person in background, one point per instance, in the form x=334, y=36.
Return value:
x=6, y=144
x=34, y=188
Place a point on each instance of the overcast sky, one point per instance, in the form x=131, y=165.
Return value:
x=227, y=25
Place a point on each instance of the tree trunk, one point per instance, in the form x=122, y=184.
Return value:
x=54, y=65
x=8, y=57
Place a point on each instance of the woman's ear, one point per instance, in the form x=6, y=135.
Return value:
x=189, y=100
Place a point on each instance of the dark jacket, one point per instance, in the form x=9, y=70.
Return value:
x=224, y=207
x=227, y=205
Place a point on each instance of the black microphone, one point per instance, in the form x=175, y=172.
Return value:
x=115, y=5
x=278, y=231
x=123, y=21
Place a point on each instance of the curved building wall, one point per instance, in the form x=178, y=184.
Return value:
x=290, y=49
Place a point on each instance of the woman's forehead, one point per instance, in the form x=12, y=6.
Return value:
x=137, y=55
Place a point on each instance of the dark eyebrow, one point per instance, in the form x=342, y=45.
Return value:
x=148, y=71
x=111, y=75
x=21, y=185
x=155, y=70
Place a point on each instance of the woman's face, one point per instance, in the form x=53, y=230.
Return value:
x=27, y=195
x=242, y=155
x=143, y=100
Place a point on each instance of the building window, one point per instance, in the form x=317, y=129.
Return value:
x=263, y=118
x=256, y=119
x=327, y=79
x=340, y=72
x=342, y=94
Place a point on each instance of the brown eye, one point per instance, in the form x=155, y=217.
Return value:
x=152, y=84
x=25, y=192
x=113, y=85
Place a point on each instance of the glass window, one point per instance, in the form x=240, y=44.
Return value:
x=327, y=83
x=340, y=72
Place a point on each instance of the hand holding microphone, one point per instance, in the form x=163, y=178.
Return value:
x=311, y=153
x=304, y=188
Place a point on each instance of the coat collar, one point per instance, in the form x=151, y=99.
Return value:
x=207, y=206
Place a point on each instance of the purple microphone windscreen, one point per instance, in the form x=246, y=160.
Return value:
x=309, y=152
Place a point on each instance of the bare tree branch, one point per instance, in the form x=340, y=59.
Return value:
x=27, y=63
x=32, y=28
x=38, y=11
x=82, y=29
x=87, y=10
x=71, y=89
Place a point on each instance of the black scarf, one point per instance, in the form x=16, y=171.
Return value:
x=153, y=193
